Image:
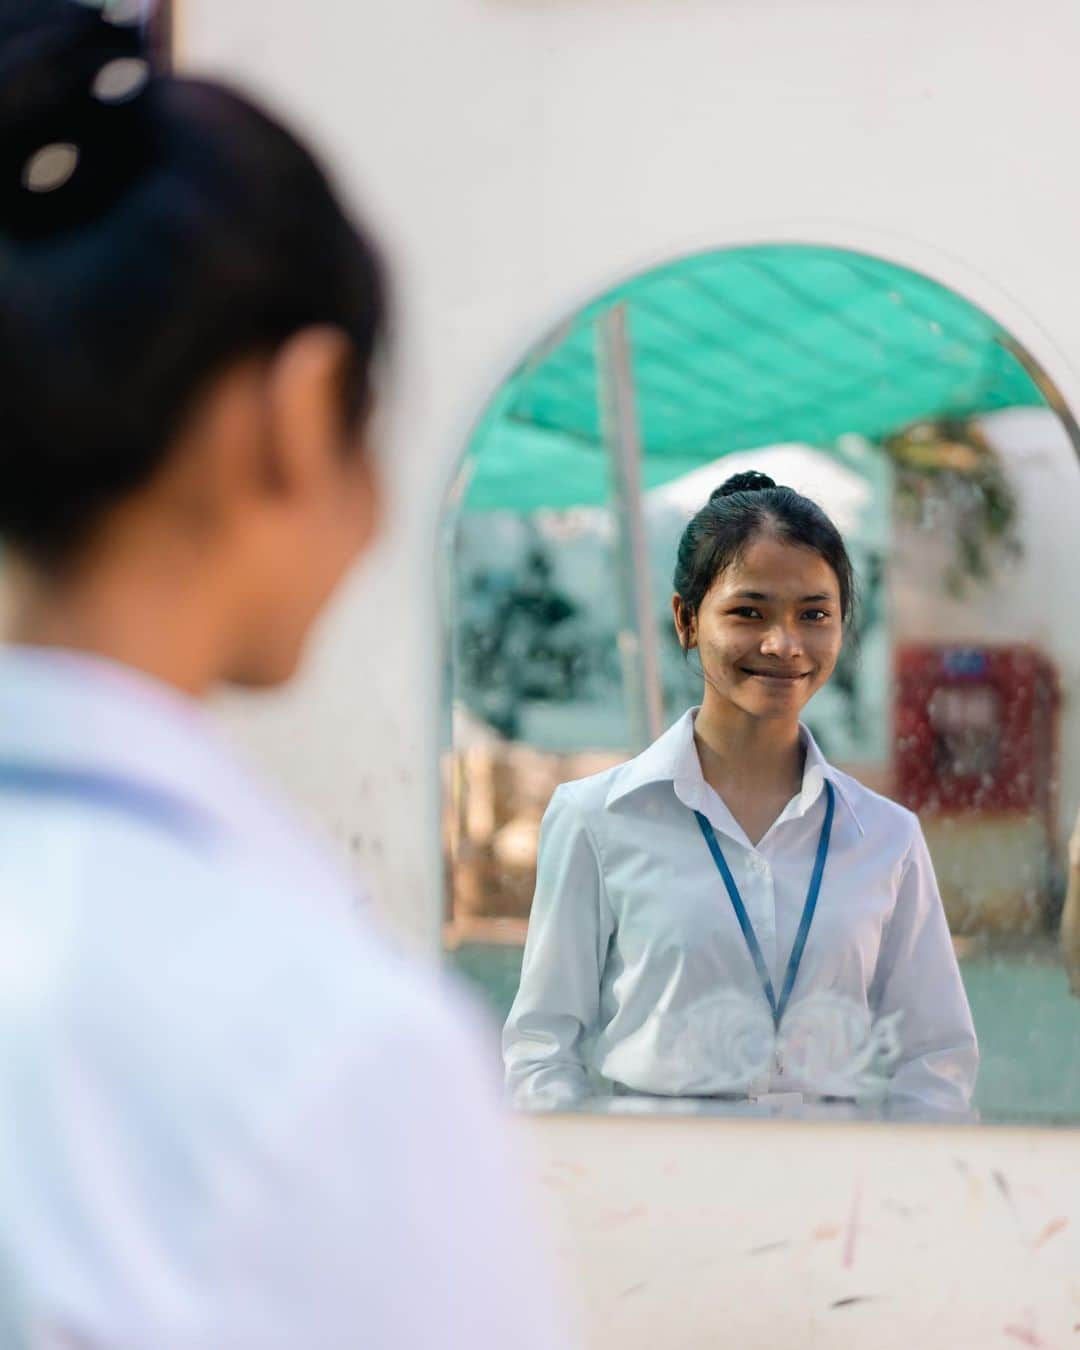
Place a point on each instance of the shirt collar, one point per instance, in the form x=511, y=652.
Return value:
x=82, y=714
x=816, y=769
x=673, y=758
x=665, y=761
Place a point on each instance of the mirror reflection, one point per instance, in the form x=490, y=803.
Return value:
x=762, y=761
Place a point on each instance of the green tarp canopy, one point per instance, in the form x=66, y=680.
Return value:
x=735, y=350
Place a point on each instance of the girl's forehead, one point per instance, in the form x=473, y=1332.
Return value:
x=769, y=565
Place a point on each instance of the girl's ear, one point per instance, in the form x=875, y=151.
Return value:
x=685, y=623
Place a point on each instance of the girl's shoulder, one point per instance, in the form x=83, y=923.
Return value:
x=587, y=794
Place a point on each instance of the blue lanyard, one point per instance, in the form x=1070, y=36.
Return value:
x=807, y=919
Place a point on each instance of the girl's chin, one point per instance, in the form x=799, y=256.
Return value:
x=790, y=691
x=764, y=701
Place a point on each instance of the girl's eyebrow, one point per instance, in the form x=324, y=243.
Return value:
x=761, y=595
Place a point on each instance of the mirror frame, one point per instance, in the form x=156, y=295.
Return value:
x=1034, y=348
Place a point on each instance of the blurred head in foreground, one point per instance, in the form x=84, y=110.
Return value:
x=188, y=327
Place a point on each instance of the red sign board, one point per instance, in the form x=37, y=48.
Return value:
x=976, y=730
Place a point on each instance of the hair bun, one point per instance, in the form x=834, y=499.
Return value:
x=75, y=121
x=750, y=481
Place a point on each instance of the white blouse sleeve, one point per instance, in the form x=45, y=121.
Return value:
x=558, y=999
x=917, y=975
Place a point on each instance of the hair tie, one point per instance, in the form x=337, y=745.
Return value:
x=750, y=481
x=76, y=123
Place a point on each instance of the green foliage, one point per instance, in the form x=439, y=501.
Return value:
x=947, y=474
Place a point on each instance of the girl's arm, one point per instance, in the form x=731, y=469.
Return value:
x=558, y=999
x=917, y=976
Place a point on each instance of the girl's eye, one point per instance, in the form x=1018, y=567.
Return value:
x=816, y=615
x=746, y=612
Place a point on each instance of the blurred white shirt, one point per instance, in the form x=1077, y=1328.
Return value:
x=637, y=976
x=230, y=1116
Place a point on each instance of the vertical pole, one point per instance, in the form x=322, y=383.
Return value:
x=638, y=649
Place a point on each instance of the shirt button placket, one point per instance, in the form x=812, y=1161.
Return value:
x=766, y=908
x=768, y=939
x=760, y=910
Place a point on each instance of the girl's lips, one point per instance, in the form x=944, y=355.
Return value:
x=787, y=676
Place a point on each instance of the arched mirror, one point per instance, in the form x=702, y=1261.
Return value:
x=938, y=771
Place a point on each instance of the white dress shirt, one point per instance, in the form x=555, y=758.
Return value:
x=637, y=977
x=231, y=1118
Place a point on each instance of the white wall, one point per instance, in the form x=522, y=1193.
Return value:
x=520, y=155
x=681, y=1238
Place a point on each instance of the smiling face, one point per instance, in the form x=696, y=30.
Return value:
x=769, y=630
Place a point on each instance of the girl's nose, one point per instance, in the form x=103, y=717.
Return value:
x=779, y=640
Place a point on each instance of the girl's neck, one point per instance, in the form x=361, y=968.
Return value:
x=136, y=616
x=746, y=758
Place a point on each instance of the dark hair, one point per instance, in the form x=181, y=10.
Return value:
x=175, y=228
x=747, y=505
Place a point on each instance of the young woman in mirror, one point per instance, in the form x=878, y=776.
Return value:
x=728, y=914
x=233, y=1116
